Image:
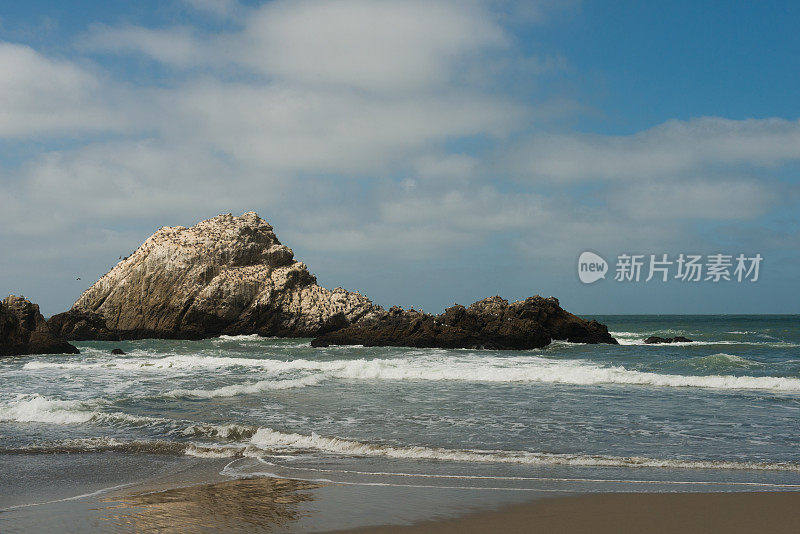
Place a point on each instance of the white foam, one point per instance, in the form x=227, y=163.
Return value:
x=152, y=363
x=775, y=344
x=477, y=368
x=637, y=338
x=38, y=409
x=523, y=369
x=267, y=438
x=248, y=388
x=430, y=366
x=199, y=451
x=243, y=337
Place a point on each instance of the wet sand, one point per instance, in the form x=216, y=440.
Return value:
x=657, y=513
x=251, y=505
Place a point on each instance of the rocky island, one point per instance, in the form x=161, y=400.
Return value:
x=23, y=330
x=231, y=275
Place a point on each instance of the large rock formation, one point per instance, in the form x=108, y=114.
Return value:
x=227, y=275
x=231, y=275
x=491, y=323
x=23, y=330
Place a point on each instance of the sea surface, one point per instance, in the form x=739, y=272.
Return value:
x=721, y=413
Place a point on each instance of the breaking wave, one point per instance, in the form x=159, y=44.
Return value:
x=466, y=367
x=268, y=439
x=38, y=409
x=248, y=388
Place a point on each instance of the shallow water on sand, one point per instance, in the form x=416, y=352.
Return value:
x=720, y=413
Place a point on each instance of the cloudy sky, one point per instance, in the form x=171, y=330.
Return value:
x=423, y=152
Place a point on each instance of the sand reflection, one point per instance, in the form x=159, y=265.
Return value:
x=252, y=505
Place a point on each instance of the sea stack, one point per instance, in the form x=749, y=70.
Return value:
x=23, y=330
x=226, y=275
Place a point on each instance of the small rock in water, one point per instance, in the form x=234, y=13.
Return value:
x=656, y=339
x=117, y=351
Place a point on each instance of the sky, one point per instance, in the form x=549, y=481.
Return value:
x=421, y=152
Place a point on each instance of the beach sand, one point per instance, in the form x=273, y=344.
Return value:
x=193, y=497
x=686, y=513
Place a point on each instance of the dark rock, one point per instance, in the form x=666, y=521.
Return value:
x=117, y=351
x=82, y=326
x=652, y=340
x=491, y=323
x=23, y=330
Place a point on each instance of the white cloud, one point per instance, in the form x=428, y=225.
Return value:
x=387, y=45
x=127, y=181
x=39, y=95
x=376, y=45
x=672, y=149
x=181, y=47
x=682, y=200
x=329, y=131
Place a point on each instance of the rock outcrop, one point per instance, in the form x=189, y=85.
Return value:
x=230, y=275
x=653, y=340
x=226, y=275
x=23, y=330
x=491, y=323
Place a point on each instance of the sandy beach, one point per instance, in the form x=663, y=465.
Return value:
x=269, y=505
x=686, y=513
x=193, y=497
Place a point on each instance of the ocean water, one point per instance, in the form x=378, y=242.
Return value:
x=721, y=413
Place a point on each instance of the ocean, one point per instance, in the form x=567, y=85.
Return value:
x=719, y=414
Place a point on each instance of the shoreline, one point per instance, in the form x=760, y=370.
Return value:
x=656, y=513
x=195, y=495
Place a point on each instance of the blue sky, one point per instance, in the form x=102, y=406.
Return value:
x=423, y=153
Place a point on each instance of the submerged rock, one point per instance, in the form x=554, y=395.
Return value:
x=117, y=352
x=226, y=275
x=652, y=340
x=23, y=330
x=491, y=323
